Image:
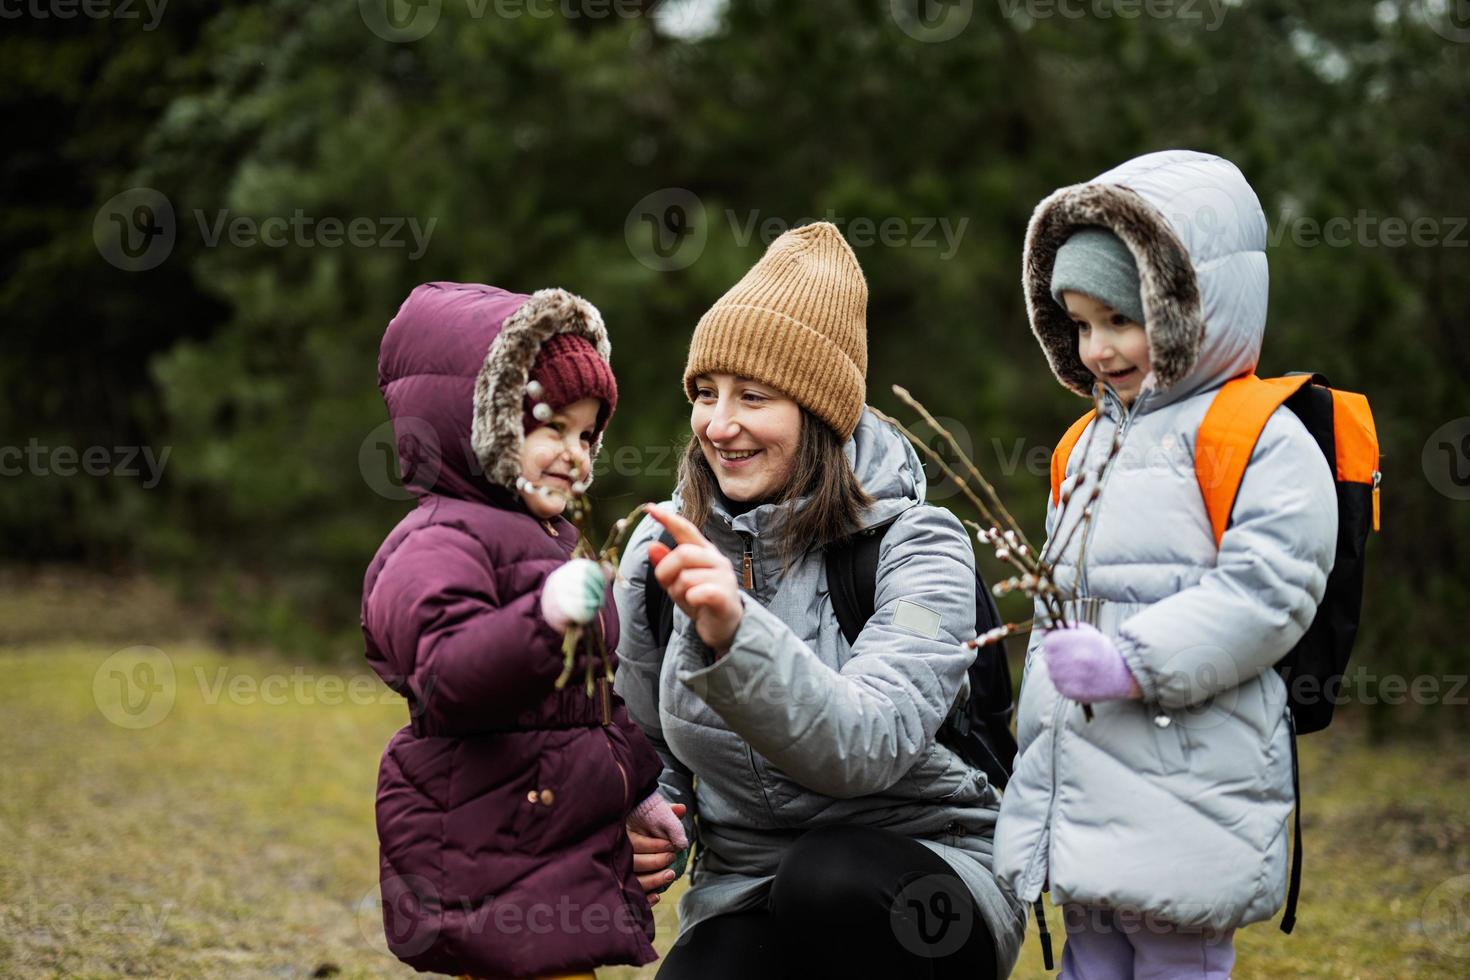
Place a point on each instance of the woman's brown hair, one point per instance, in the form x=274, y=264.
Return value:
x=820, y=472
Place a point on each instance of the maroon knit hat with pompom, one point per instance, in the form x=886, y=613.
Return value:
x=568, y=369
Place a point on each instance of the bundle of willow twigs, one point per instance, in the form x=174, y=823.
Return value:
x=1034, y=569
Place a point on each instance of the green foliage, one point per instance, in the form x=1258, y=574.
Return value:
x=522, y=144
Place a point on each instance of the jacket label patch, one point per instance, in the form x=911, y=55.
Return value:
x=912, y=616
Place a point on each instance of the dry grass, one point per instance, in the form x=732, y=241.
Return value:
x=235, y=838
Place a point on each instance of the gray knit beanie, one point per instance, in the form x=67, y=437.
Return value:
x=1095, y=261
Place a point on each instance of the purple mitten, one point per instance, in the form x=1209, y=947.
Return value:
x=655, y=818
x=1085, y=666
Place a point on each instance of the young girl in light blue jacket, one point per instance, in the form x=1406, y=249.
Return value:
x=1160, y=824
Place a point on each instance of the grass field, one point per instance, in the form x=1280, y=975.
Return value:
x=223, y=826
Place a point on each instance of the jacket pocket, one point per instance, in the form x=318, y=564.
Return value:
x=535, y=800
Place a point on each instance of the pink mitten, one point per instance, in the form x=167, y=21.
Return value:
x=655, y=818
x=1085, y=666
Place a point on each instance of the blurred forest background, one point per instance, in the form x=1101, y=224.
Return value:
x=223, y=380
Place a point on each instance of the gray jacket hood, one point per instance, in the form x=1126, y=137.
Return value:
x=1197, y=231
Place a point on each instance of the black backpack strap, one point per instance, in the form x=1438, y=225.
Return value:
x=852, y=578
x=1288, y=920
x=1047, y=960
x=658, y=609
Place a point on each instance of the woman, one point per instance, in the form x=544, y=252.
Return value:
x=836, y=836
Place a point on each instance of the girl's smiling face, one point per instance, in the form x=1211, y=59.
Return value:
x=558, y=454
x=1111, y=346
x=749, y=432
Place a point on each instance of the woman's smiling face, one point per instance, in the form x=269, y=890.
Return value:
x=749, y=432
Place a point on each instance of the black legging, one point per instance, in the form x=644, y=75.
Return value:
x=847, y=902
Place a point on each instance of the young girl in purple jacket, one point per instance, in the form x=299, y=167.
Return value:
x=504, y=806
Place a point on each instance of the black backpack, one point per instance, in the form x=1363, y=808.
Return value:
x=978, y=731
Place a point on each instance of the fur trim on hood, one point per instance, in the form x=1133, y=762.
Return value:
x=1198, y=234
x=497, y=432
x=1166, y=280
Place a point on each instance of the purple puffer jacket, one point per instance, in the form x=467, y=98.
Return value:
x=501, y=805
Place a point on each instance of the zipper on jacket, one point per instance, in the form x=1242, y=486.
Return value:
x=747, y=565
x=1126, y=424
x=1057, y=723
x=605, y=701
x=550, y=528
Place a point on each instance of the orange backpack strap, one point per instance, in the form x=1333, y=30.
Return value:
x=1063, y=452
x=1228, y=436
x=1357, y=443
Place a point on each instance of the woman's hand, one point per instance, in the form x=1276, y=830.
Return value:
x=699, y=579
x=652, y=857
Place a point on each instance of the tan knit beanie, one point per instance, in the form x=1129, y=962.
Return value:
x=798, y=322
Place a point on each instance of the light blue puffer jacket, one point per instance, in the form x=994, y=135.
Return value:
x=1175, y=806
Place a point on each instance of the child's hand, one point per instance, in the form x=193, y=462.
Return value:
x=573, y=594
x=655, y=817
x=654, y=854
x=1086, y=667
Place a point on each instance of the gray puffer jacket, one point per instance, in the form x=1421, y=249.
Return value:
x=1175, y=806
x=792, y=729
